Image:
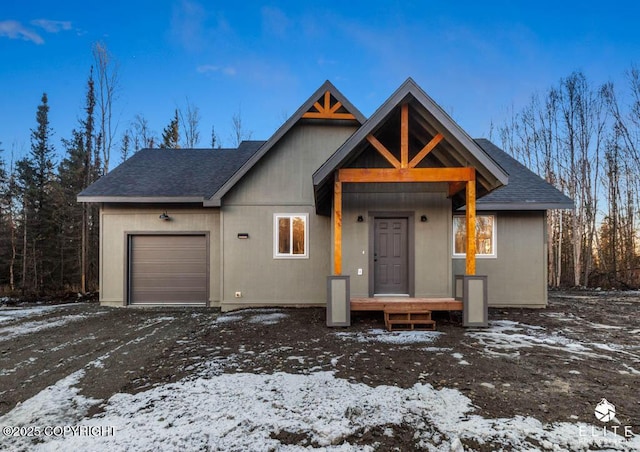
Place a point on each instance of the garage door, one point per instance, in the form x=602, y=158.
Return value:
x=168, y=269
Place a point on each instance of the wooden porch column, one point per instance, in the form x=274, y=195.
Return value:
x=337, y=227
x=471, y=226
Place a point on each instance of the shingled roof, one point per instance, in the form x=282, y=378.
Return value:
x=167, y=175
x=525, y=191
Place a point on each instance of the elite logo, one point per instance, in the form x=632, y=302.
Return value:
x=605, y=411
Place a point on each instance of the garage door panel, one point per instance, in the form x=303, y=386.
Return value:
x=167, y=282
x=161, y=268
x=148, y=297
x=168, y=269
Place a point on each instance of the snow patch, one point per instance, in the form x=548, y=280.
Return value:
x=7, y=314
x=268, y=319
x=395, y=337
x=11, y=331
x=460, y=359
x=507, y=338
x=324, y=409
x=59, y=404
x=228, y=318
x=263, y=316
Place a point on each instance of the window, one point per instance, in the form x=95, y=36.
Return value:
x=485, y=236
x=290, y=236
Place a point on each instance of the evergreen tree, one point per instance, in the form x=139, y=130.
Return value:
x=77, y=250
x=215, y=142
x=171, y=134
x=125, y=148
x=69, y=213
x=36, y=179
x=91, y=170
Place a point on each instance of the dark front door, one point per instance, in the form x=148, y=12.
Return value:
x=390, y=259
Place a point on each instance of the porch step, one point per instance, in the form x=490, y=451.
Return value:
x=407, y=320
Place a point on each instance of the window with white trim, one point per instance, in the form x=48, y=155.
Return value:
x=485, y=236
x=290, y=236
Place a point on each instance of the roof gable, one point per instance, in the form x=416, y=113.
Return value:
x=328, y=107
x=432, y=120
x=325, y=104
x=435, y=141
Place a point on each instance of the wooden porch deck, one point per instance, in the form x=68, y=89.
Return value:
x=405, y=304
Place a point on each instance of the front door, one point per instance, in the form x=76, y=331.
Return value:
x=391, y=256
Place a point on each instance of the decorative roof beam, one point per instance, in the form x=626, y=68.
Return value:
x=326, y=110
x=383, y=151
x=404, y=136
x=335, y=107
x=406, y=174
x=456, y=187
x=425, y=150
x=324, y=115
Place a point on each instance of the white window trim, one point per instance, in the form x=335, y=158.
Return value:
x=276, y=254
x=494, y=234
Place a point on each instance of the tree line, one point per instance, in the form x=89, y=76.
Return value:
x=581, y=138
x=49, y=243
x=585, y=140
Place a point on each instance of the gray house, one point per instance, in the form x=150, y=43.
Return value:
x=383, y=202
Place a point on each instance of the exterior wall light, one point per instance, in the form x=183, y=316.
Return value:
x=360, y=219
x=423, y=218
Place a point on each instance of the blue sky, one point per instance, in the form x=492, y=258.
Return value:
x=476, y=59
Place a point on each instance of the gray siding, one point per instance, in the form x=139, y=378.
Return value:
x=518, y=275
x=433, y=276
x=250, y=268
x=284, y=175
x=280, y=182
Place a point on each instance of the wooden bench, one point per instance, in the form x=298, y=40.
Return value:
x=407, y=320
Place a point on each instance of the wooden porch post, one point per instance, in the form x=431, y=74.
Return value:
x=337, y=226
x=471, y=226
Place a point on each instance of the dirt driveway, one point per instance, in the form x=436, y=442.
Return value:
x=553, y=365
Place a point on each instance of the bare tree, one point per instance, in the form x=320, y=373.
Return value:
x=190, y=121
x=107, y=86
x=238, y=132
x=141, y=134
x=560, y=137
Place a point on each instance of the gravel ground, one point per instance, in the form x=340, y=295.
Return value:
x=553, y=364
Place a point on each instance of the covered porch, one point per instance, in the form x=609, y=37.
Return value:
x=409, y=141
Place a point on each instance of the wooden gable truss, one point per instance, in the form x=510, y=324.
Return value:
x=405, y=170
x=330, y=108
